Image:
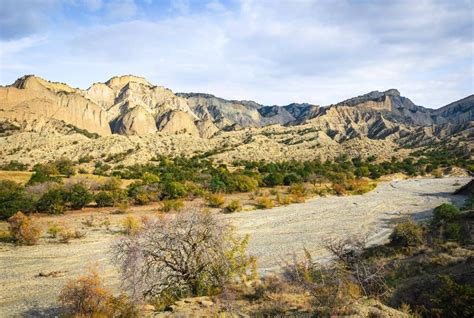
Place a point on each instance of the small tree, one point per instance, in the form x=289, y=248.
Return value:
x=13, y=198
x=445, y=213
x=189, y=254
x=23, y=229
x=78, y=196
x=52, y=201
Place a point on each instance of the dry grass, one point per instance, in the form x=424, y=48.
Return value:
x=17, y=176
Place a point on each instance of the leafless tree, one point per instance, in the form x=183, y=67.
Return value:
x=369, y=275
x=182, y=255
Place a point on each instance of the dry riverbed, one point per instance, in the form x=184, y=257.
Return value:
x=276, y=235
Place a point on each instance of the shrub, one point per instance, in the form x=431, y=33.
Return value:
x=65, y=235
x=111, y=184
x=103, y=199
x=297, y=190
x=173, y=190
x=359, y=186
x=85, y=296
x=24, y=231
x=52, y=201
x=172, y=205
x=215, y=200
x=209, y=257
x=283, y=199
x=234, y=206
x=291, y=178
x=273, y=179
x=131, y=225
x=54, y=230
x=78, y=196
x=65, y=167
x=445, y=213
x=42, y=177
x=245, y=183
x=469, y=204
x=264, y=203
x=13, y=198
x=407, y=234
x=339, y=189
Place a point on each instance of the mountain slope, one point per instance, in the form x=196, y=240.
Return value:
x=375, y=123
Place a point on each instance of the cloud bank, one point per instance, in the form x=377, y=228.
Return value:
x=274, y=52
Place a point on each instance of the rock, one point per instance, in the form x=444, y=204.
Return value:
x=137, y=121
x=178, y=122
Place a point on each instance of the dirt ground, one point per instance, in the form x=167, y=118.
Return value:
x=276, y=236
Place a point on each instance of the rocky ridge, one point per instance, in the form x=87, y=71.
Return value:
x=130, y=110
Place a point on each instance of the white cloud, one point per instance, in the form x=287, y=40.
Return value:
x=304, y=51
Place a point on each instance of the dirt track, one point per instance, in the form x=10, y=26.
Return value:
x=276, y=235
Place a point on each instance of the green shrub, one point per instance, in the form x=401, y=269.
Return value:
x=453, y=232
x=215, y=200
x=65, y=167
x=52, y=201
x=41, y=177
x=172, y=205
x=78, y=196
x=445, y=213
x=407, y=234
x=111, y=184
x=245, y=183
x=234, y=206
x=173, y=190
x=13, y=198
x=291, y=178
x=273, y=179
x=103, y=199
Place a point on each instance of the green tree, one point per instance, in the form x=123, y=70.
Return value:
x=13, y=198
x=78, y=196
x=52, y=201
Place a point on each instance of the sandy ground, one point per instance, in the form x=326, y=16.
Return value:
x=276, y=235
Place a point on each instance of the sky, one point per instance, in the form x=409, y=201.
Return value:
x=269, y=51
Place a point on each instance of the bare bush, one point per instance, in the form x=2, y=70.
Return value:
x=189, y=254
x=85, y=296
x=369, y=275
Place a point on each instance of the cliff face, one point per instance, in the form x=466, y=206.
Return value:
x=130, y=105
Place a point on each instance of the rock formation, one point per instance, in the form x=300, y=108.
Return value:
x=378, y=122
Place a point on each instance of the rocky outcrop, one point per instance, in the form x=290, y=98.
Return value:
x=178, y=122
x=32, y=102
x=137, y=121
x=130, y=105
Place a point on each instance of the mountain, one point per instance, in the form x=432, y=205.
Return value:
x=154, y=119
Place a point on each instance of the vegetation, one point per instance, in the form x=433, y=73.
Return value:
x=23, y=229
x=233, y=206
x=13, y=198
x=85, y=296
x=209, y=255
x=215, y=200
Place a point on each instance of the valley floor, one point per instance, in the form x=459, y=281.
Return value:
x=276, y=235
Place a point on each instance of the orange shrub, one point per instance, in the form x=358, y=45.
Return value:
x=23, y=229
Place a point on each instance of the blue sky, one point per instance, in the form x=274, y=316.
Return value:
x=270, y=51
